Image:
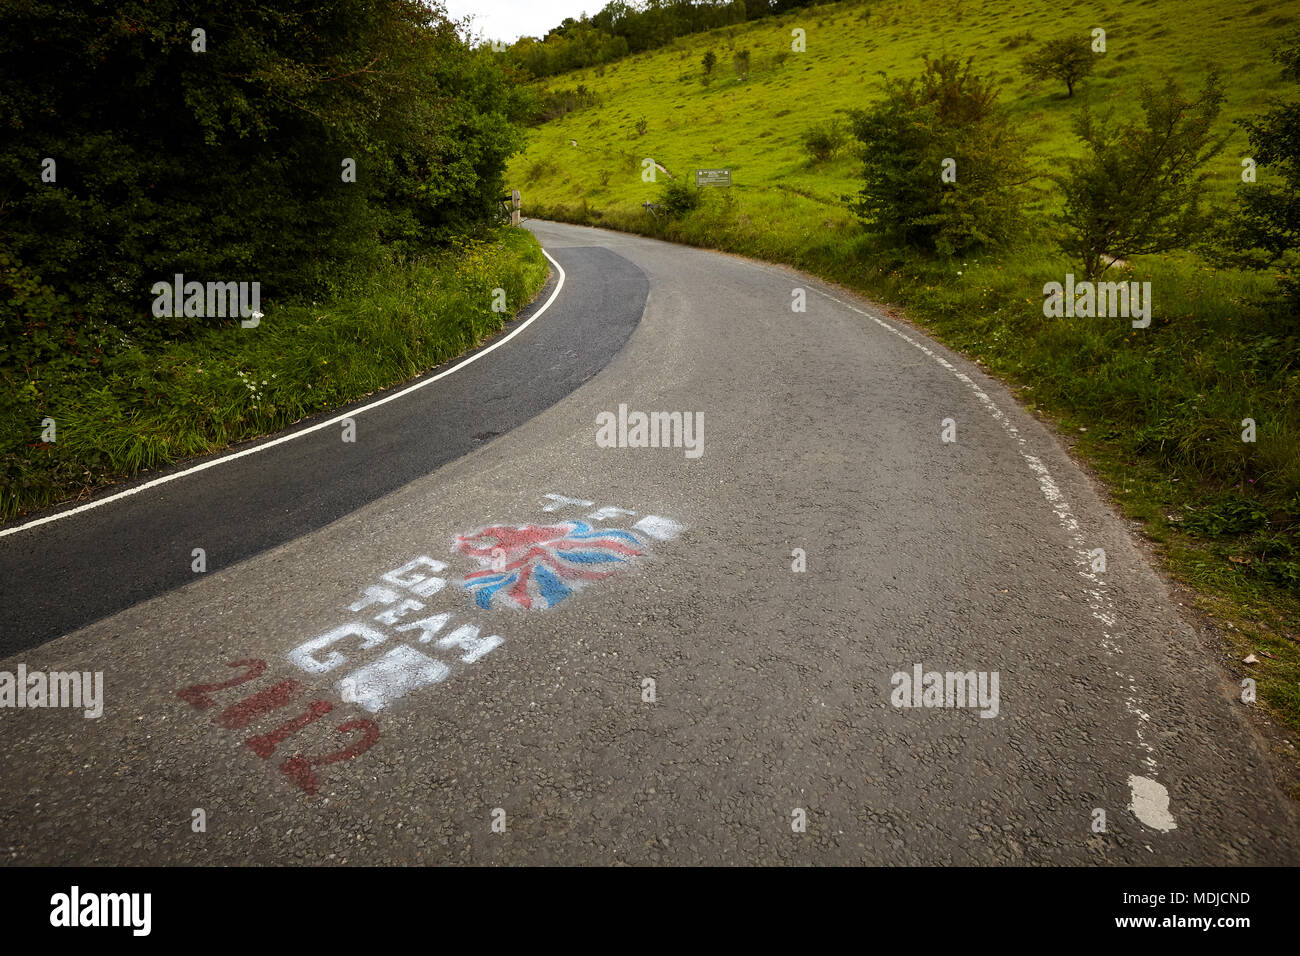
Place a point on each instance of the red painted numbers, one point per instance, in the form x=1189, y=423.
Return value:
x=265, y=745
x=197, y=695
x=298, y=768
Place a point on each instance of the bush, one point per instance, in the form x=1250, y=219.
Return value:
x=1138, y=190
x=949, y=112
x=226, y=164
x=1068, y=59
x=823, y=141
x=552, y=104
x=679, y=198
x=1265, y=231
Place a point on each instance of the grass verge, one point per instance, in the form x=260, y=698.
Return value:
x=139, y=409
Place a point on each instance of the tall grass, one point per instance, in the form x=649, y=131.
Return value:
x=145, y=409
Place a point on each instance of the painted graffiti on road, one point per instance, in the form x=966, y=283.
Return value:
x=360, y=734
x=527, y=566
x=536, y=567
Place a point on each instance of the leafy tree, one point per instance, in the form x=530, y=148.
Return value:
x=226, y=165
x=741, y=62
x=1266, y=228
x=1138, y=189
x=1068, y=59
x=948, y=113
x=710, y=61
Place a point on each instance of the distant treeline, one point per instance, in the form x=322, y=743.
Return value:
x=621, y=28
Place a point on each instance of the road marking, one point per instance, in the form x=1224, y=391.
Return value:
x=99, y=502
x=1150, y=803
x=1146, y=805
x=541, y=565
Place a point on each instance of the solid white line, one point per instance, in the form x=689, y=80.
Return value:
x=298, y=434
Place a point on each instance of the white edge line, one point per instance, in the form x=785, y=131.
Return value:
x=305, y=431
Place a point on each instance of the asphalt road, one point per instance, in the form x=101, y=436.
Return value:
x=60, y=576
x=704, y=702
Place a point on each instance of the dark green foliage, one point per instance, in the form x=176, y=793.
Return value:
x=552, y=104
x=1138, y=189
x=623, y=27
x=1266, y=229
x=226, y=165
x=679, y=198
x=824, y=140
x=949, y=112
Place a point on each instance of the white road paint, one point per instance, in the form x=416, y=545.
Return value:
x=214, y=462
x=466, y=639
x=404, y=669
x=1150, y=803
x=400, y=671
x=661, y=529
x=1100, y=604
x=304, y=655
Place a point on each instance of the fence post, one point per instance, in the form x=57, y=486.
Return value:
x=515, y=205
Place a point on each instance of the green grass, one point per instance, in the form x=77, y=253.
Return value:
x=143, y=409
x=1156, y=412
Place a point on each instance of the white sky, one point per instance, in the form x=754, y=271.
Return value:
x=510, y=19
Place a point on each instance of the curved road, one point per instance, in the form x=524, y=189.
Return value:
x=711, y=667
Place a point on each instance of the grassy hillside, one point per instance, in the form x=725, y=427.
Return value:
x=1157, y=412
x=753, y=124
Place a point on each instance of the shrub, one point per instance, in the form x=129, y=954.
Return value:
x=1265, y=231
x=823, y=141
x=227, y=165
x=949, y=112
x=1138, y=189
x=1068, y=59
x=679, y=198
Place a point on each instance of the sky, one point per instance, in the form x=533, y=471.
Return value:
x=510, y=19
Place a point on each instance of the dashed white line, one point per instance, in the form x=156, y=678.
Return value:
x=1150, y=800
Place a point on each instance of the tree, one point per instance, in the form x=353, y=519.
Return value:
x=947, y=119
x=1266, y=228
x=1138, y=189
x=229, y=164
x=710, y=61
x=1068, y=59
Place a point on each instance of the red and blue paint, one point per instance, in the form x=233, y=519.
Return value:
x=535, y=567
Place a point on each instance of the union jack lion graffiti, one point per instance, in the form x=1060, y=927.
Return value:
x=535, y=567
